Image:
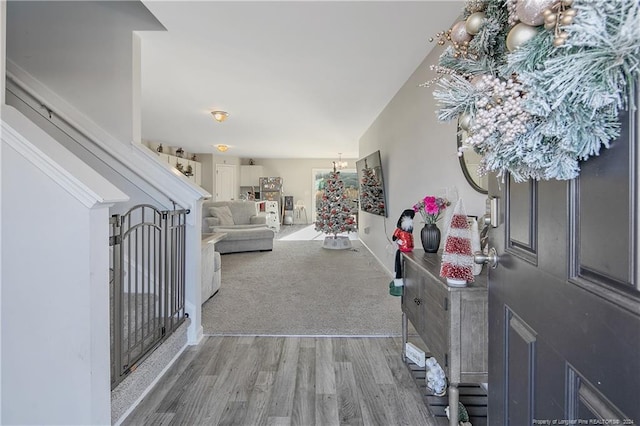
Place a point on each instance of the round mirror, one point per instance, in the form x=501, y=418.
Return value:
x=469, y=162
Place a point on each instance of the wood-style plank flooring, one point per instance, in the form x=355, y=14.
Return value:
x=286, y=381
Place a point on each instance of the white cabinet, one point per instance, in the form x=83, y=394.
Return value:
x=250, y=175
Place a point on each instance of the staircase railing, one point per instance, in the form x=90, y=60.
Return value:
x=147, y=283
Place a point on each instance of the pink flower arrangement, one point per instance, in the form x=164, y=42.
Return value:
x=431, y=208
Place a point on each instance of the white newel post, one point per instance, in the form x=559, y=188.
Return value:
x=193, y=303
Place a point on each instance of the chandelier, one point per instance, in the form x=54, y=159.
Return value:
x=341, y=164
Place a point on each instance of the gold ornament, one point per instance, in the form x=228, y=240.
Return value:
x=566, y=19
x=557, y=42
x=519, y=35
x=474, y=22
x=558, y=16
x=442, y=36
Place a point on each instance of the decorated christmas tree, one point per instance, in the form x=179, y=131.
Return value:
x=457, y=258
x=371, y=195
x=334, y=212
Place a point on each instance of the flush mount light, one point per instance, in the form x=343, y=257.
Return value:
x=222, y=148
x=220, y=116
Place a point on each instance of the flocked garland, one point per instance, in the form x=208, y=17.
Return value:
x=537, y=100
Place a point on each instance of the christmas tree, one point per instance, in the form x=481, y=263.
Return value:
x=457, y=258
x=371, y=198
x=334, y=213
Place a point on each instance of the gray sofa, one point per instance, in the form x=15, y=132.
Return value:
x=246, y=229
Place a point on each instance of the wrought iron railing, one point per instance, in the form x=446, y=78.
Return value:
x=147, y=283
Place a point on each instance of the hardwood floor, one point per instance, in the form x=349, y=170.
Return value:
x=286, y=381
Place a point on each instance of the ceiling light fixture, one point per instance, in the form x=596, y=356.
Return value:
x=220, y=116
x=341, y=164
x=222, y=148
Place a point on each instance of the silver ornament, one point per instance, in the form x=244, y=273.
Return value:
x=519, y=35
x=464, y=121
x=474, y=22
x=477, y=79
x=459, y=34
x=531, y=12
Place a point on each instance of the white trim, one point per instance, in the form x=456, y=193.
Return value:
x=389, y=273
x=36, y=146
x=134, y=156
x=3, y=52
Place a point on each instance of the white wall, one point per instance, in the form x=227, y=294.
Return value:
x=297, y=175
x=55, y=293
x=418, y=158
x=52, y=346
x=83, y=51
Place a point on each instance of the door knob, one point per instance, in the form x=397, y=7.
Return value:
x=490, y=258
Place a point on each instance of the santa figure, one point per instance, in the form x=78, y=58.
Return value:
x=403, y=237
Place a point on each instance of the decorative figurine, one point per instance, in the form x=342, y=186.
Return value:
x=403, y=237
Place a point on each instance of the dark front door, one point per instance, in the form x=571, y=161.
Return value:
x=564, y=300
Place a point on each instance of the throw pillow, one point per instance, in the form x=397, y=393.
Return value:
x=223, y=213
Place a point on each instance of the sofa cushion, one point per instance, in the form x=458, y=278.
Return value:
x=210, y=222
x=245, y=233
x=242, y=211
x=223, y=213
x=216, y=227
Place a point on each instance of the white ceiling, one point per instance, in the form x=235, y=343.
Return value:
x=300, y=79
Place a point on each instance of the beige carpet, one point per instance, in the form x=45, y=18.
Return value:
x=302, y=289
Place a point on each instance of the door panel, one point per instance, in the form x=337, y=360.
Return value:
x=584, y=401
x=521, y=223
x=520, y=345
x=603, y=216
x=564, y=305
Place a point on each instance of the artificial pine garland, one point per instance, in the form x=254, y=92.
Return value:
x=570, y=85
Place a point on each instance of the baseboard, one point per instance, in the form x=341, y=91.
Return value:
x=380, y=262
x=128, y=394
